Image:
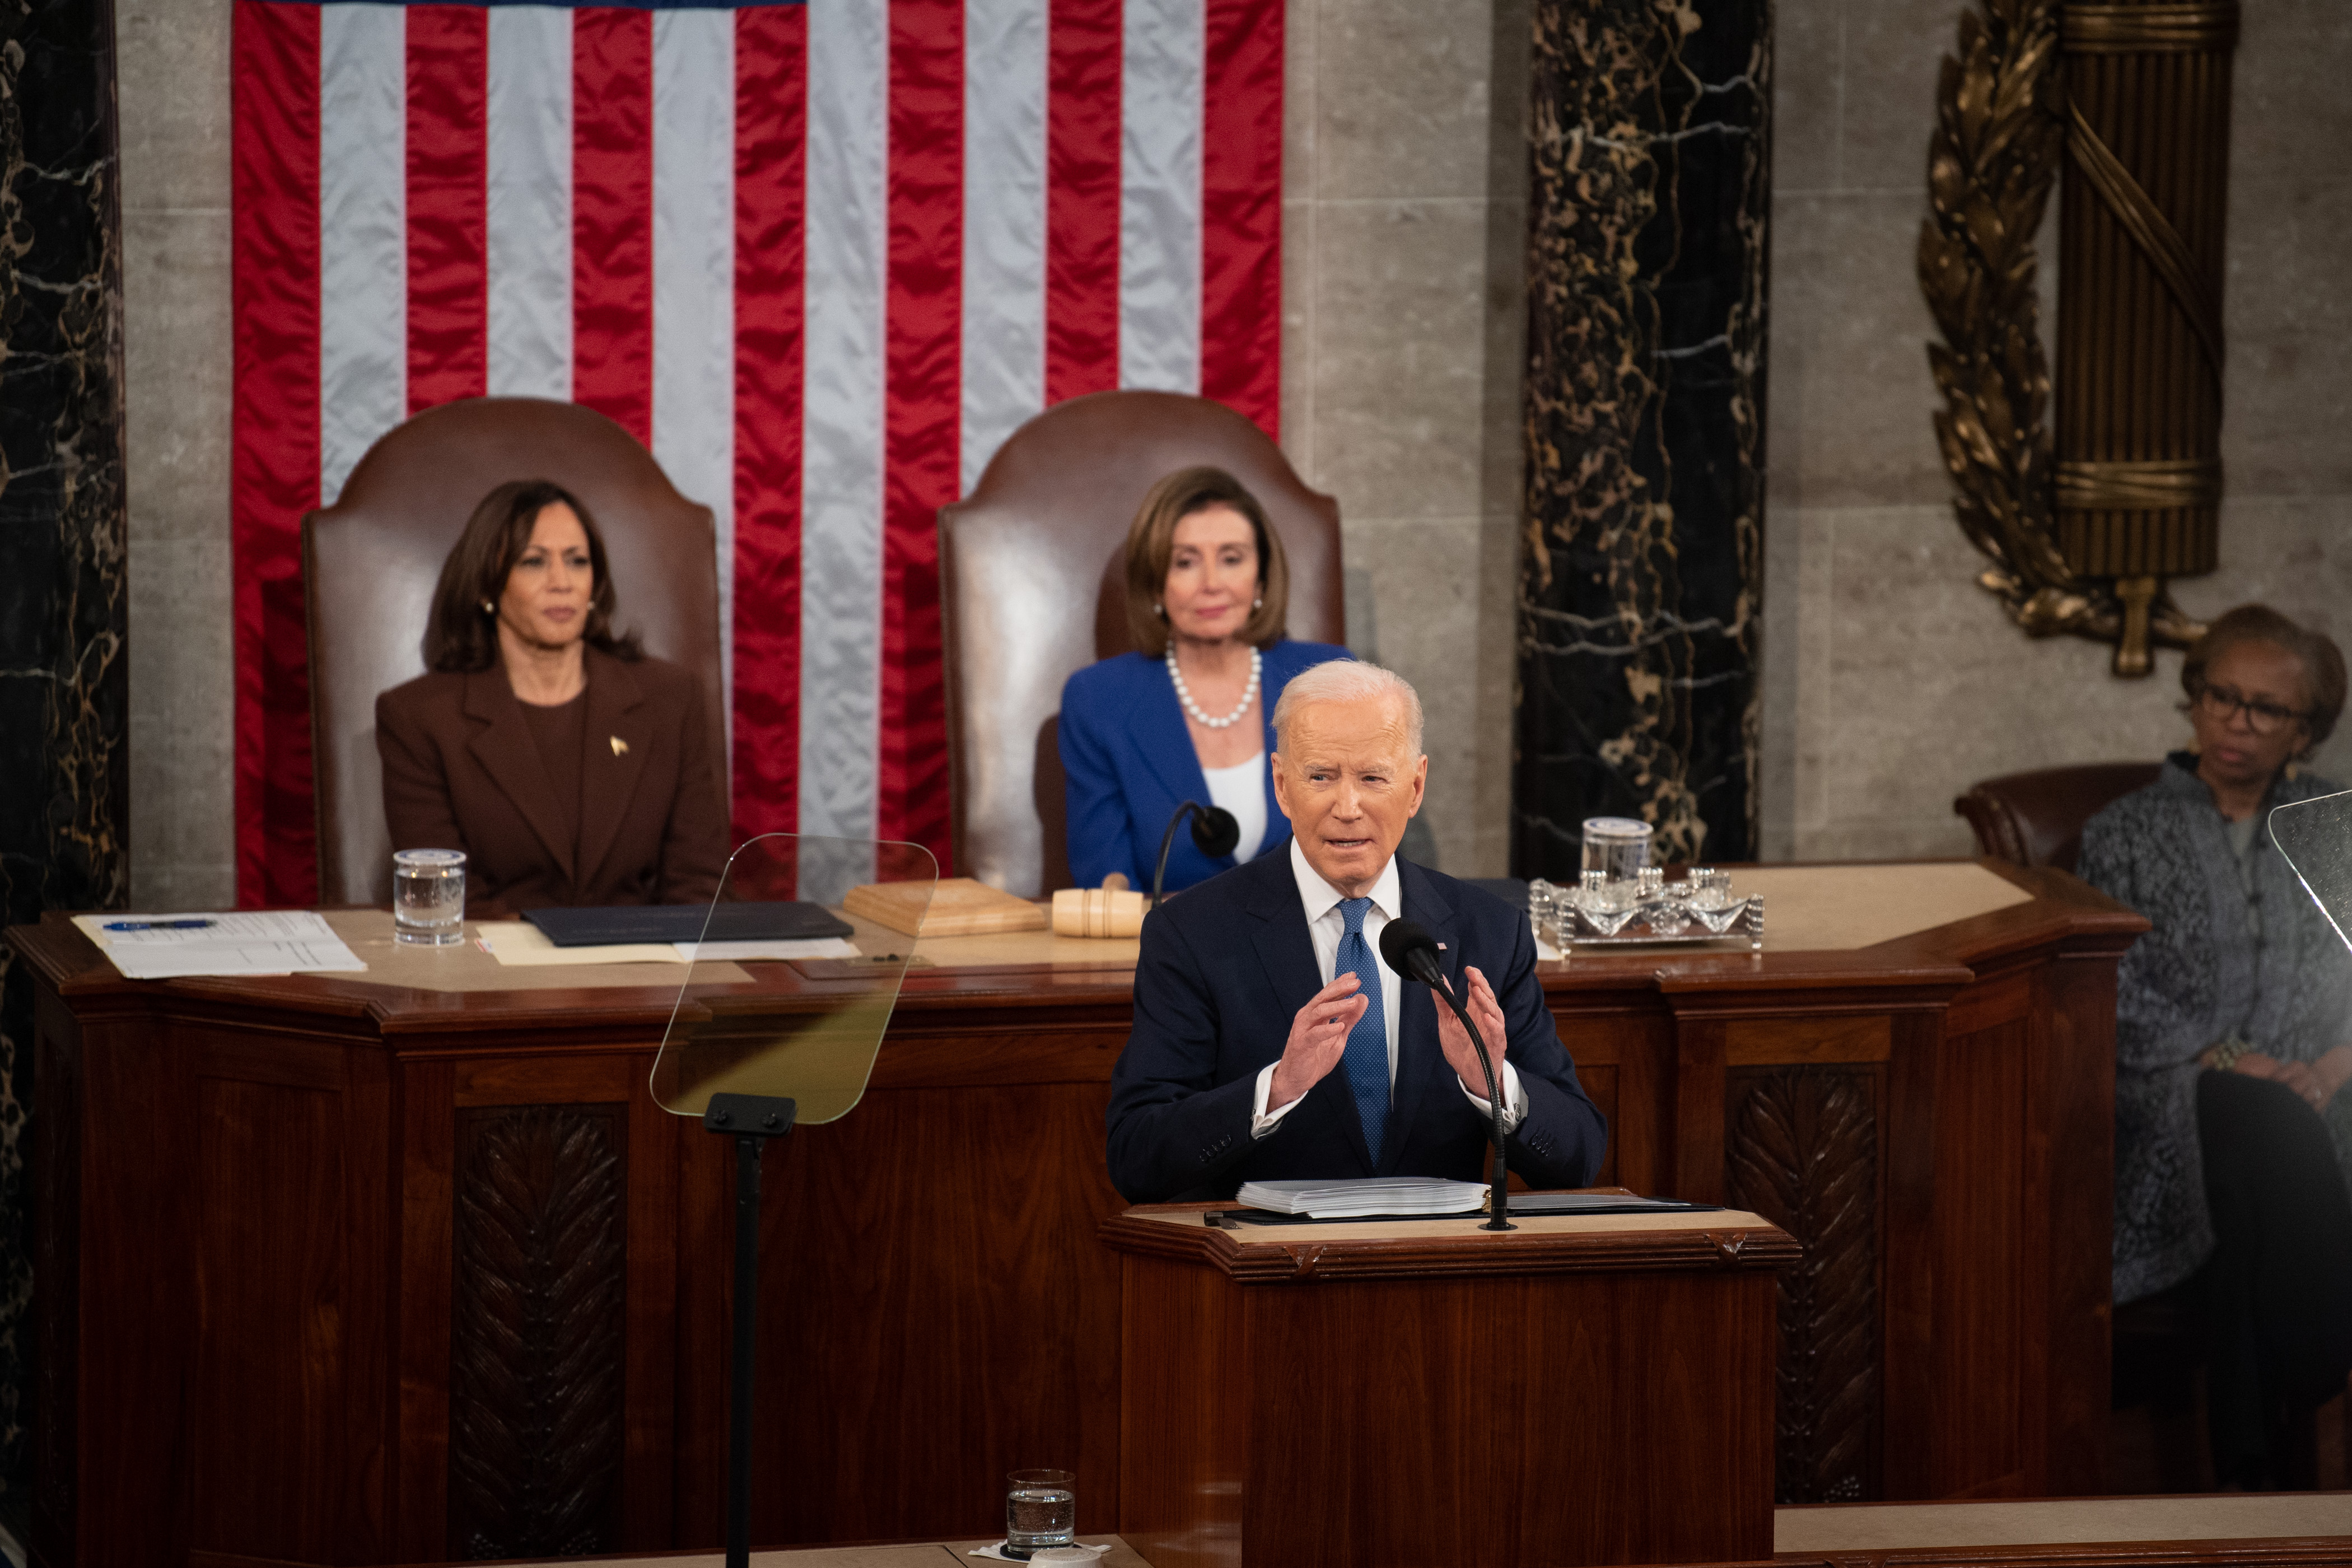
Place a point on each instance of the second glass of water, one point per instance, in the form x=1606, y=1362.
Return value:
x=428, y=897
x=1041, y=1510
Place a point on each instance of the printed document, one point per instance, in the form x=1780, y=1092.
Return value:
x=245, y=941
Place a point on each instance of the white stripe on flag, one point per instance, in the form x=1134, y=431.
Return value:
x=1005, y=224
x=529, y=136
x=842, y=416
x=362, y=234
x=1166, y=46
x=694, y=279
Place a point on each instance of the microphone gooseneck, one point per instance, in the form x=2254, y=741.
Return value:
x=1411, y=952
x=1214, y=833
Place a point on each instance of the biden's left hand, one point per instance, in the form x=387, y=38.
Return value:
x=1454, y=1041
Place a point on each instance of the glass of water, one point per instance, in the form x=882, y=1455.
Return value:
x=1617, y=847
x=1041, y=1510
x=428, y=897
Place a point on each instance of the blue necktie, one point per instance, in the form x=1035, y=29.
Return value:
x=1367, y=1043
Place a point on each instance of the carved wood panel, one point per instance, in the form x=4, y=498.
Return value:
x=535, y=1344
x=1802, y=1151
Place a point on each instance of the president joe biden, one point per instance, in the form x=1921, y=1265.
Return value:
x=1271, y=1042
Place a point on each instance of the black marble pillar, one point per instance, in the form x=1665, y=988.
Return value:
x=63, y=685
x=1641, y=570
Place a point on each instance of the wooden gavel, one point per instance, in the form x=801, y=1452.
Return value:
x=1097, y=912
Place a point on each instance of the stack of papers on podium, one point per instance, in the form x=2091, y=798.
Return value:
x=1364, y=1195
x=271, y=941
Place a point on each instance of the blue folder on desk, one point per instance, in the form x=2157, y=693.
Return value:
x=684, y=923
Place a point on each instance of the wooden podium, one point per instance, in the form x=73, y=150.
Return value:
x=1588, y=1389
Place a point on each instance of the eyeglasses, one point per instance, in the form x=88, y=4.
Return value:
x=2221, y=703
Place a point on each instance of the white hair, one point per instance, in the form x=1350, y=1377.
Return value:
x=1349, y=680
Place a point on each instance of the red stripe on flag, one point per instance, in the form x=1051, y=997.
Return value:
x=448, y=204
x=770, y=192
x=274, y=441
x=1082, y=109
x=1241, y=209
x=922, y=408
x=611, y=215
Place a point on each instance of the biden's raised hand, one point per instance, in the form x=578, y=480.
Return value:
x=1318, y=1038
x=1479, y=1001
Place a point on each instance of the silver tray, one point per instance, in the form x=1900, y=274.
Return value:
x=1573, y=924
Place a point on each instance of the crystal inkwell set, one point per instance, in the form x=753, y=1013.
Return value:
x=1621, y=898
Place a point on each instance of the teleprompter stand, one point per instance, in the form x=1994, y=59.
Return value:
x=756, y=1046
x=750, y=1119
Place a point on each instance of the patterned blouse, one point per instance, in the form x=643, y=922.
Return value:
x=2238, y=951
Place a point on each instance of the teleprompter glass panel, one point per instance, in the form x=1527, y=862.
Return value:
x=796, y=1019
x=2315, y=837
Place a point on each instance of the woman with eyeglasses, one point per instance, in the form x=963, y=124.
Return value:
x=2233, y=1045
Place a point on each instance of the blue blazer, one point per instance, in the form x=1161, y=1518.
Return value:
x=1129, y=764
x=1223, y=970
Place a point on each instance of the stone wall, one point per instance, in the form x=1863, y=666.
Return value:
x=174, y=61
x=1403, y=240
x=1892, y=681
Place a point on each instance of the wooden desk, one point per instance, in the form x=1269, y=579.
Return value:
x=279, y=1224
x=2237, y=1530
x=896, y=1555
x=2068, y=1526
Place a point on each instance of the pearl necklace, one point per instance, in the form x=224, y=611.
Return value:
x=1185, y=696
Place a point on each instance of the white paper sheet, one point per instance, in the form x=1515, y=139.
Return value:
x=229, y=928
x=240, y=942
x=520, y=944
x=802, y=947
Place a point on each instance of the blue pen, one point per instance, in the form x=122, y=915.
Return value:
x=156, y=925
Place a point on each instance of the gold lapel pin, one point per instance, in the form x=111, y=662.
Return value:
x=620, y=747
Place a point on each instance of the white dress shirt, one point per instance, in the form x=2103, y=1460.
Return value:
x=1326, y=924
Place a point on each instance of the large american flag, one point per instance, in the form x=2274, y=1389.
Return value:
x=821, y=258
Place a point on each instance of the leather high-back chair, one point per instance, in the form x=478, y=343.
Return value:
x=1033, y=581
x=370, y=563
x=2036, y=818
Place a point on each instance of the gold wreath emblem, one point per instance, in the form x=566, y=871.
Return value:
x=2000, y=129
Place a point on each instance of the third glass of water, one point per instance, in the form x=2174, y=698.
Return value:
x=428, y=897
x=1041, y=1510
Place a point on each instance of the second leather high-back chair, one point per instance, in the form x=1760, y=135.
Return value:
x=370, y=563
x=1032, y=583
x=2036, y=818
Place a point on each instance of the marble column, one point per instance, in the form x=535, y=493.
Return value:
x=64, y=687
x=1641, y=561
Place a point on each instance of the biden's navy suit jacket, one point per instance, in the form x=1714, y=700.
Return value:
x=1223, y=970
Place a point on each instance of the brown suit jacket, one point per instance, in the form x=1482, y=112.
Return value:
x=460, y=772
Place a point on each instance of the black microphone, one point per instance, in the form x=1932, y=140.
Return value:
x=1214, y=833
x=1411, y=952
